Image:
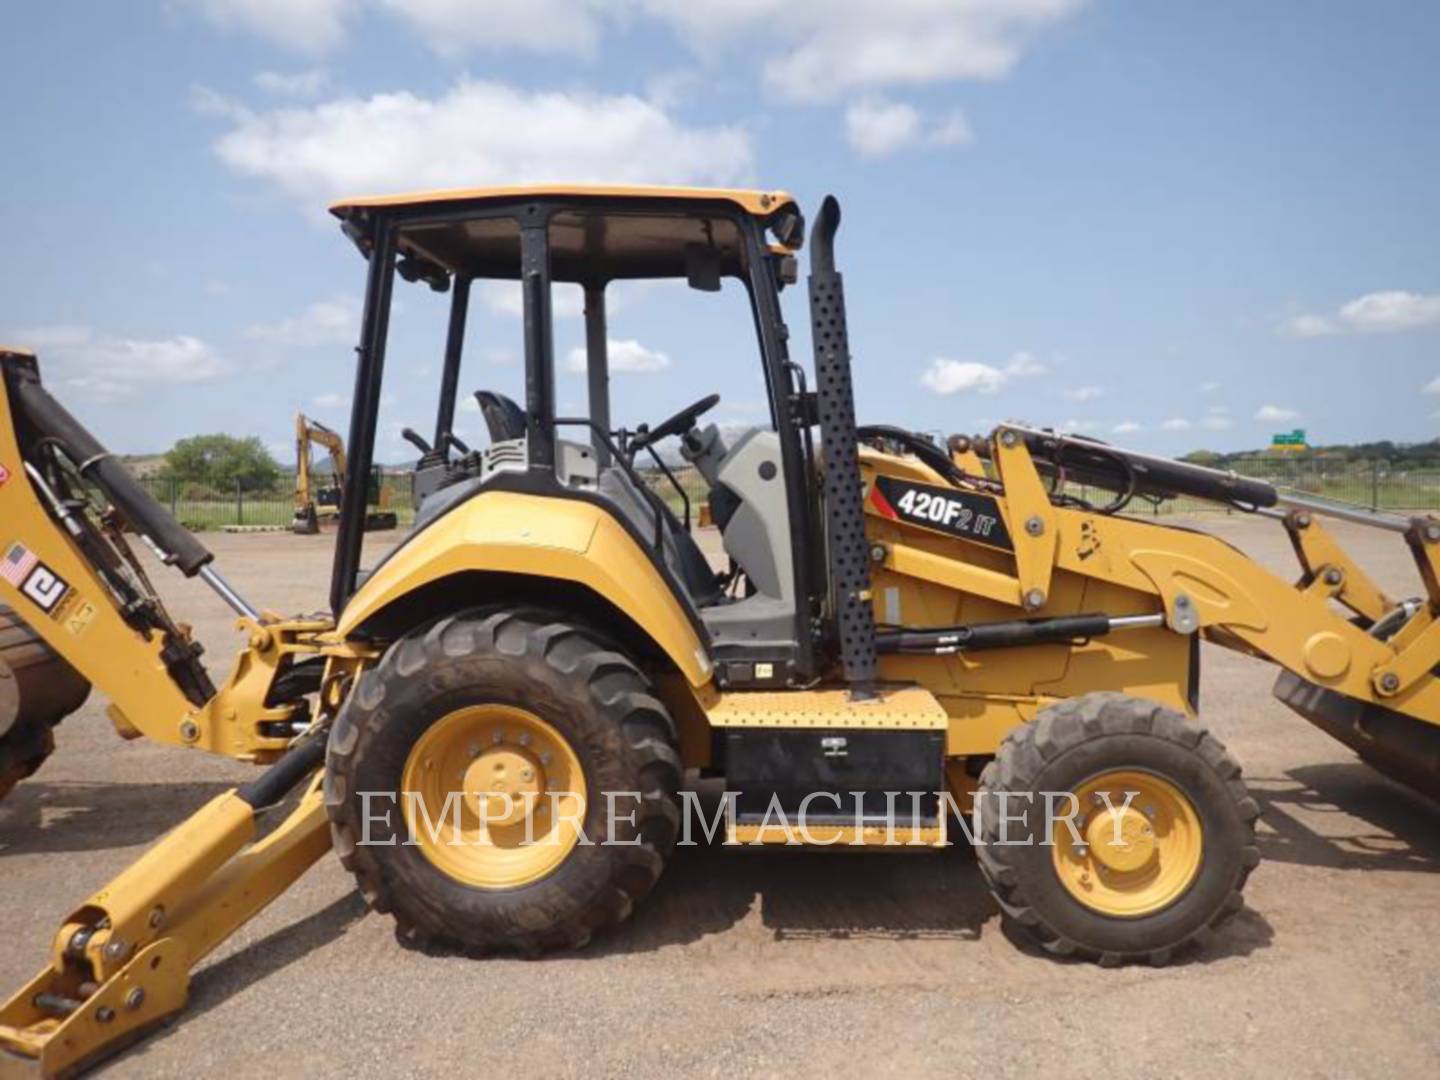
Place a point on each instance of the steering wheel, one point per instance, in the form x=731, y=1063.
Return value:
x=678, y=424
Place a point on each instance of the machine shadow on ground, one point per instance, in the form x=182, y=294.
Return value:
x=1346, y=816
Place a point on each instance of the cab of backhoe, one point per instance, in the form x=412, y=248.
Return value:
x=752, y=625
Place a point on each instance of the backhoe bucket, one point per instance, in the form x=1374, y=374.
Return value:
x=38, y=689
x=1403, y=748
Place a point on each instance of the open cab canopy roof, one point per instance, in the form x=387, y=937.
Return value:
x=598, y=233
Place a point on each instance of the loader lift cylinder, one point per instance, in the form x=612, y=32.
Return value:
x=48, y=419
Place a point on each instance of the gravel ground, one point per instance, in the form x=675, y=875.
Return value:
x=756, y=964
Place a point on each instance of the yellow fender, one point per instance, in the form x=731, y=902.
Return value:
x=557, y=539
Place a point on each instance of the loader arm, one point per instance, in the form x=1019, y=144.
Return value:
x=1356, y=663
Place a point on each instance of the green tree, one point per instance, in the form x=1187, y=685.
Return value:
x=222, y=461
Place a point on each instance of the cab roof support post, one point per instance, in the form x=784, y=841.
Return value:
x=454, y=347
x=539, y=339
x=364, y=413
x=597, y=366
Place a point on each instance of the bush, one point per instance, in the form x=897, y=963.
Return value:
x=222, y=462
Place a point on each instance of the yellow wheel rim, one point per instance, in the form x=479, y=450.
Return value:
x=493, y=796
x=1133, y=858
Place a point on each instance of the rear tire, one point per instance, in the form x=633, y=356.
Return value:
x=38, y=689
x=592, y=697
x=1071, y=744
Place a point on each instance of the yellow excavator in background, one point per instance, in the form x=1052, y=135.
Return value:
x=541, y=660
x=315, y=503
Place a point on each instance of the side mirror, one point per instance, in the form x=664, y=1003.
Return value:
x=702, y=267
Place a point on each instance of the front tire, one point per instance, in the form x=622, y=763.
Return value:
x=538, y=705
x=1187, y=841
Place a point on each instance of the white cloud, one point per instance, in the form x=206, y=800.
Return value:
x=1084, y=393
x=1127, y=427
x=1069, y=426
x=809, y=50
x=875, y=127
x=1388, y=312
x=310, y=26
x=116, y=368
x=331, y=401
x=1209, y=387
x=627, y=356
x=1215, y=421
x=478, y=131
x=1276, y=414
x=567, y=301
x=506, y=298
x=1175, y=423
x=945, y=376
x=1309, y=326
x=962, y=377
x=335, y=321
x=819, y=49
x=451, y=27
x=1023, y=364
x=298, y=84
x=1432, y=387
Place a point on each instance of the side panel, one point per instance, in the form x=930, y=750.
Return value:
x=563, y=539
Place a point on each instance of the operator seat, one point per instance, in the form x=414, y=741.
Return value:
x=680, y=550
x=504, y=418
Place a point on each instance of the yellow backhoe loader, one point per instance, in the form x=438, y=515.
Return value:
x=315, y=503
x=466, y=723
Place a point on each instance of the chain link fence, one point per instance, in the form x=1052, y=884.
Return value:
x=202, y=503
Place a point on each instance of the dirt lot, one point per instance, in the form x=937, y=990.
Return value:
x=752, y=963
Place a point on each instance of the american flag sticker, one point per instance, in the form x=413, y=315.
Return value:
x=18, y=562
x=23, y=569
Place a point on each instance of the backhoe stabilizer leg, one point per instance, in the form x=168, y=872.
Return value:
x=121, y=963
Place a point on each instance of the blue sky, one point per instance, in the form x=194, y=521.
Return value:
x=1168, y=225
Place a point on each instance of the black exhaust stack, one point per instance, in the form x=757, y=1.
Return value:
x=847, y=552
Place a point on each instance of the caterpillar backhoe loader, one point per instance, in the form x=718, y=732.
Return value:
x=314, y=503
x=897, y=617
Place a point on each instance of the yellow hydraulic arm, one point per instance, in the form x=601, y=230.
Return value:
x=121, y=962
x=1194, y=582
